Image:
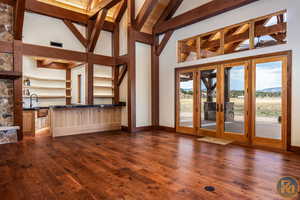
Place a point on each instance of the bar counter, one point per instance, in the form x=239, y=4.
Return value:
x=82, y=119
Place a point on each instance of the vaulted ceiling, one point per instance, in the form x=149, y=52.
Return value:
x=89, y=7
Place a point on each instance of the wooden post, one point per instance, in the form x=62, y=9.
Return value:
x=68, y=86
x=17, y=90
x=89, y=83
x=155, y=82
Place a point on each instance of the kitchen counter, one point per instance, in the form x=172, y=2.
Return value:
x=77, y=106
x=88, y=106
x=83, y=119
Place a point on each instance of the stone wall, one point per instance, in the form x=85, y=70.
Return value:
x=6, y=22
x=6, y=64
x=6, y=103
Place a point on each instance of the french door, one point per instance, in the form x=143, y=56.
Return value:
x=243, y=101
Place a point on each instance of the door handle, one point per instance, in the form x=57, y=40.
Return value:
x=218, y=108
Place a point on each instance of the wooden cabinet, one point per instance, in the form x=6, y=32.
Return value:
x=29, y=122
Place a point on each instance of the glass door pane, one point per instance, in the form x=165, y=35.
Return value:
x=234, y=99
x=268, y=100
x=208, y=94
x=186, y=101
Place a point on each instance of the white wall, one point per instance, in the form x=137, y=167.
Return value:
x=123, y=98
x=257, y=9
x=104, y=44
x=80, y=70
x=143, y=85
x=40, y=30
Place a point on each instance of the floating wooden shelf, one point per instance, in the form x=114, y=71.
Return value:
x=50, y=88
x=100, y=78
x=44, y=79
x=10, y=75
x=104, y=96
x=49, y=97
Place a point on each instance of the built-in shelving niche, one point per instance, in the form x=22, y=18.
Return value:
x=103, y=84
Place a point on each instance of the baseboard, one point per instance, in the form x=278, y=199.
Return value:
x=143, y=128
x=294, y=149
x=166, y=128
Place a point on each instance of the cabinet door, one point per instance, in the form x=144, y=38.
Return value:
x=29, y=123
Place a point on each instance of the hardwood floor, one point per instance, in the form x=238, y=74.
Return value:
x=147, y=165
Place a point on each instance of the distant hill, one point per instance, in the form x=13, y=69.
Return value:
x=275, y=89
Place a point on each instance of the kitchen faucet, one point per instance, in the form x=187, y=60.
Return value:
x=36, y=98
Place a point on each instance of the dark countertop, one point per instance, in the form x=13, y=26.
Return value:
x=79, y=106
x=89, y=106
x=36, y=108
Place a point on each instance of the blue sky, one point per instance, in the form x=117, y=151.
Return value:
x=268, y=75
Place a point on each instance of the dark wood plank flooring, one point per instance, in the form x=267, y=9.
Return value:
x=147, y=165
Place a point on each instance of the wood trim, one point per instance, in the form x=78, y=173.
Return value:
x=6, y=47
x=101, y=60
x=122, y=60
x=169, y=11
x=116, y=69
x=295, y=149
x=155, y=82
x=168, y=129
x=54, y=11
x=280, y=53
x=122, y=74
x=68, y=85
x=9, y=2
x=200, y=13
x=131, y=93
x=144, y=13
x=43, y=51
x=79, y=82
x=164, y=42
x=19, y=19
x=143, y=37
x=104, y=4
x=121, y=12
x=143, y=128
x=97, y=29
x=76, y=32
x=61, y=13
x=17, y=90
x=10, y=75
x=89, y=83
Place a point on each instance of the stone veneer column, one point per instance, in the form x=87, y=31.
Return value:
x=6, y=64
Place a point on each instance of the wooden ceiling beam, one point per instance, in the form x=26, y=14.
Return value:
x=144, y=13
x=169, y=11
x=164, y=42
x=76, y=32
x=259, y=31
x=121, y=11
x=9, y=2
x=19, y=19
x=200, y=13
x=97, y=29
x=62, y=13
x=104, y=4
x=122, y=74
